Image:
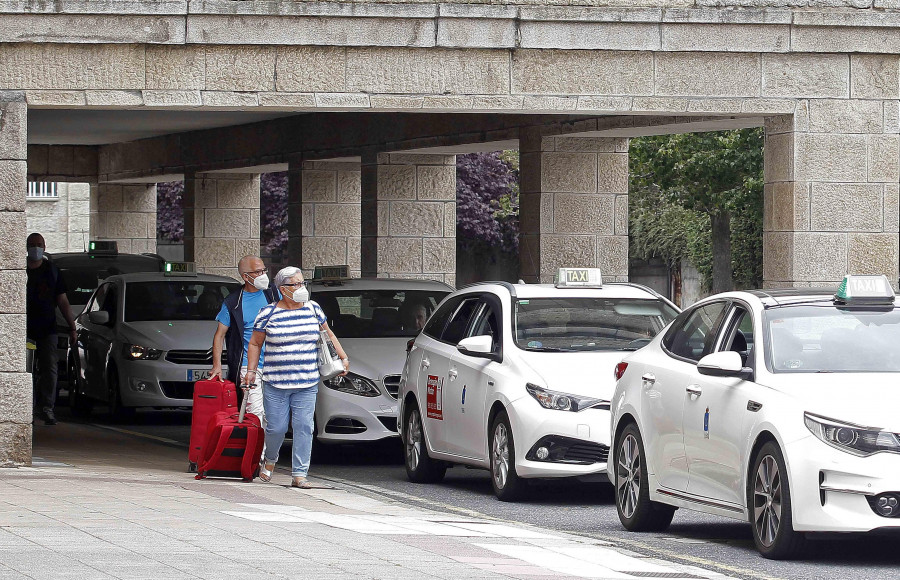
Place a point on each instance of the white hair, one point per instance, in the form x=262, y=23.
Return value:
x=282, y=276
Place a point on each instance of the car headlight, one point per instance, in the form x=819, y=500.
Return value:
x=852, y=438
x=353, y=384
x=563, y=401
x=138, y=352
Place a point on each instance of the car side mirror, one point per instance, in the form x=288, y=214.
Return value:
x=724, y=364
x=100, y=317
x=479, y=347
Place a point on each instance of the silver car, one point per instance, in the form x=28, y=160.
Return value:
x=374, y=319
x=144, y=339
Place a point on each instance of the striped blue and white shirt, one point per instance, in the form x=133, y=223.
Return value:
x=291, y=361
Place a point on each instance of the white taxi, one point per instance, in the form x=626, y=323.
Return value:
x=773, y=407
x=517, y=378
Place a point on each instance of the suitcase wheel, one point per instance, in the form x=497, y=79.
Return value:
x=192, y=467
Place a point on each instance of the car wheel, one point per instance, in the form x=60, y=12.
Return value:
x=636, y=511
x=420, y=467
x=769, y=500
x=116, y=409
x=508, y=486
x=79, y=404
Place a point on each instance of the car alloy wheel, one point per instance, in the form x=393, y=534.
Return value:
x=500, y=456
x=637, y=512
x=767, y=500
x=420, y=467
x=628, y=480
x=769, y=506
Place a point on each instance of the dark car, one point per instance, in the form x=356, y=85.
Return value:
x=83, y=272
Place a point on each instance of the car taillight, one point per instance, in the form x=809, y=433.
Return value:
x=409, y=344
x=620, y=370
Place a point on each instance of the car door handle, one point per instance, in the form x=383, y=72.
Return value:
x=648, y=379
x=453, y=374
x=694, y=390
x=426, y=363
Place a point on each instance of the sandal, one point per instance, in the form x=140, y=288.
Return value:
x=265, y=474
x=301, y=482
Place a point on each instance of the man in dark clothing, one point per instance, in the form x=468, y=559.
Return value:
x=45, y=291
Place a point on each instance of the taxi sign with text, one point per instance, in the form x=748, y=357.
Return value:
x=180, y=268
x=325, y=273
x=865, y=290
x=103, y=247
x=579, y=278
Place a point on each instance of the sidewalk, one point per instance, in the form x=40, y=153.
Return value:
x=100, y=504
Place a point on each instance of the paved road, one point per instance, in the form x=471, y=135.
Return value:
x=711, y=542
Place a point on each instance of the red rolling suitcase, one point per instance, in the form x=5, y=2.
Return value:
x=210, y=397
x=234, y=444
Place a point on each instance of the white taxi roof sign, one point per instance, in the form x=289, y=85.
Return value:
x=579, y=278
x=331, y=273
x=865, y=290
x=180, y=269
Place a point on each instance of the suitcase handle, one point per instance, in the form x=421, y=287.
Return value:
x=243, y=410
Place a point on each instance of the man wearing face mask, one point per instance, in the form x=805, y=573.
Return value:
x=45, y=291
x=236, y=317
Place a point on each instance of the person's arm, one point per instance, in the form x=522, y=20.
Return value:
x=218, y=341
x=63, y=302
x=253, y=350
x=337, y=346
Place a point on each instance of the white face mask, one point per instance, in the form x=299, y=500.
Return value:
x=261, y=282
x=35, y=253
x=301, y=294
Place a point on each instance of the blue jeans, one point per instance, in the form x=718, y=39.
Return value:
x=298, y=407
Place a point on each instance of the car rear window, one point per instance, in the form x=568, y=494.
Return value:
x=588, y=324
x=83, y=276
x=377, y=313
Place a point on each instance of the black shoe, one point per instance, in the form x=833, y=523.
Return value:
x=49, y=417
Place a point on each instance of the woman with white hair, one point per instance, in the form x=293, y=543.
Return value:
x=290, y=330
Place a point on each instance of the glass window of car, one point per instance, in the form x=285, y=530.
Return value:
x=435, y=325
x=175, y=299
x=813, y=339
x=377, y=313
x=691, y=335
x=111, y=302
x=485, y=324
x=82, y=273
x=456, y=328
x=594, y=324
x=739, y=335
x=99, y=297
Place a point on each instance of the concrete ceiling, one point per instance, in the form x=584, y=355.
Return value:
x=98, y=127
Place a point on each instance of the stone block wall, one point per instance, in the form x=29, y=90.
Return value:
x=409, y=204
x=330, y=194
x=64, y=221
x=15, y=383
x=831, y=194
x=126, y=214
x=573, y=206
x=223, y=212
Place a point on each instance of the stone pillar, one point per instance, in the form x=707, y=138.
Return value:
x=832, y=173
x=126, y=214
x=330, y=215
x=15, y=383
x=573, y=205
x=295, y=212
x=223, y=210
x=409, y=200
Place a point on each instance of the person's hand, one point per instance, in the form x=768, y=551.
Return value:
x=73, y=337
x=346, y=362
x=246, y=381
x=216, y=373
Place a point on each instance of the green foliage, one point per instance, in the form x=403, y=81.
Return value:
x=678, y=181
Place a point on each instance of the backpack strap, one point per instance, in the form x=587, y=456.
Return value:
x=224, y=434
x=250, y=451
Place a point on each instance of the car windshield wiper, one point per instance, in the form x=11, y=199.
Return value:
x=546, y=349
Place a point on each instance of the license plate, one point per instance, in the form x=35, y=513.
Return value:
x=194, y=375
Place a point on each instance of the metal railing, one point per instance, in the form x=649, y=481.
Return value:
x=42, y=190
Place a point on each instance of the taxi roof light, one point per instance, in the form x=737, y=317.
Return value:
x=103, y=247
x=579, y=278
x=331, y=273
x=865, y=290
x=180, y=269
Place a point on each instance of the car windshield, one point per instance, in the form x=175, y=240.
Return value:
x=825, y=339
x=377, y=313
x=593, y=324
x=176, y=299
x=83, y=278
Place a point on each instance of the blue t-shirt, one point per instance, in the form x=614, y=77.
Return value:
x=251, y=304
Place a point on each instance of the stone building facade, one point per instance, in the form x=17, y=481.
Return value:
x=126, y=94
x=62, y=218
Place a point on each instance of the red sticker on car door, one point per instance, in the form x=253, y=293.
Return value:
x=434, y=398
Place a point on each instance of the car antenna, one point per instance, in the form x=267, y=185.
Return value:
x=84, y=239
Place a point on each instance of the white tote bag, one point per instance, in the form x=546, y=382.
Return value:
x=329, y=364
